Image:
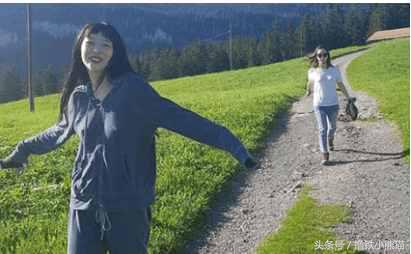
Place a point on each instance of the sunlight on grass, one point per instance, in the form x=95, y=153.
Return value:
x=306, y=229
x=384, y=73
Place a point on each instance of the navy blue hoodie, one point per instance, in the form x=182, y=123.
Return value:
x=115, y=166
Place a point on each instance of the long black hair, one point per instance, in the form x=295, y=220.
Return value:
x=78, y=75
x=313, y=57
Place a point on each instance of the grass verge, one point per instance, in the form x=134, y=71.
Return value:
x=308, y=229
x=384, y=73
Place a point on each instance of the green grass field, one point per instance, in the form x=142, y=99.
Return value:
x=33, y=212
x=33, y=206
x=384, y=73
x=307, y=229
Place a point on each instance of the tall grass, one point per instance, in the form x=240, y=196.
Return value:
x=384, y=72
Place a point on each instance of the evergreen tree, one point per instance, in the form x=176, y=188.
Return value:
x=277, y=40
x=136, y=63
x=11, y=86
x=50, y=81
x=307, y=34
x=331, y=22
x=45, y=82
x=269, y=47
x=332, y=25
x=252, y=53
x=264, y=49
x=147, y=61
x=166, y=65
x=38, y=89
x=355, y=26
x=401, y=15
x=376, y=20
x=240, y=54
x=396, y=15
x=194, y=59
x=218, y=59
x=288, y=44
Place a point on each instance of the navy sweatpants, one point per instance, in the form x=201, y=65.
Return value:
x=127, y=232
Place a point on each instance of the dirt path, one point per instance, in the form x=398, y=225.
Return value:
x=368, y=174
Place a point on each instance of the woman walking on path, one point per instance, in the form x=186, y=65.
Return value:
x=115, y=113
x=322, y=80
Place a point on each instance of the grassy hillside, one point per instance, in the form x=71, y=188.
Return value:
x=384, y=73
x=33, y=206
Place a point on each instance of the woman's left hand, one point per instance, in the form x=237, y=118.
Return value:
x=7, y=163
x=250, y=163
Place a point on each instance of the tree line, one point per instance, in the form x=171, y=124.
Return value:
x=333, y=27
x=13, y=87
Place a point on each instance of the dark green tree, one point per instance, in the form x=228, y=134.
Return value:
x=400, y=15
x=50, y=81
x=252, y=53
x=240, y=54
x=38, y=89
x=268, y=47
x=166, y=65
x=306, y=35
x=355, y=26
x=136, y=63
x=46, y=82
x=217, y=58
x=194, y=59
x=377, y=19
x=11, y=86
x=332, y=34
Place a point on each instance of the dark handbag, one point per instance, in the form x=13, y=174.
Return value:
x=351, y=109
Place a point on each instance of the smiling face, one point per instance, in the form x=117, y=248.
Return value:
x=322, y=56
x=96, y=52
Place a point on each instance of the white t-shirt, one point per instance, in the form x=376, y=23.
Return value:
x=325, y=84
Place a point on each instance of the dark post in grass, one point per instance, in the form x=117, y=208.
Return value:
x=231, y=47
x=29, y=85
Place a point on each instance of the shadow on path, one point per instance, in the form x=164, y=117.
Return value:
x=392, y=156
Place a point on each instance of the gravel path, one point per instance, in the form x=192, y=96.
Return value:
x=371, y=177
x=368, y=174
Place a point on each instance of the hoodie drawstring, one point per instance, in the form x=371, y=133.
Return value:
x=85, y=131
x=104, y=221
x=102, y=217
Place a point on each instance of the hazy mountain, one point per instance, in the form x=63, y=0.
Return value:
x=141, y=25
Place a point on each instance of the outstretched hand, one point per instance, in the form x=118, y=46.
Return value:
x=6, y=163
x=250, y=163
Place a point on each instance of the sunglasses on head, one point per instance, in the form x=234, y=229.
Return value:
x=322, y=55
